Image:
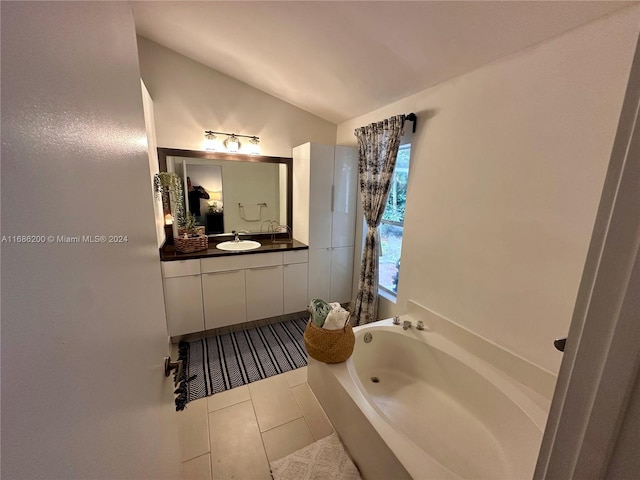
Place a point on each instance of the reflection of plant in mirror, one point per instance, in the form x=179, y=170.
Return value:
x=171, y=184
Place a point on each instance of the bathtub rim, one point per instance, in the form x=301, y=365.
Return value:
x=523, y=371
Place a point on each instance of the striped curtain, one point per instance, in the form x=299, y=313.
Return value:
x=378, y=148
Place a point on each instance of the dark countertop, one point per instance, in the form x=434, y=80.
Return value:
x=168, y=252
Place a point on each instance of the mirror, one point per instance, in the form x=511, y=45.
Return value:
x=227, y=192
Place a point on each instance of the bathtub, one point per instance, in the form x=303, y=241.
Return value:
x=414, y=404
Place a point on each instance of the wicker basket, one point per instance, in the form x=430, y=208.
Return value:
x=329, y=346
x=191, y=244
x=199, y=230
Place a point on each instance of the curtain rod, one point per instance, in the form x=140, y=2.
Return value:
x=412, y=118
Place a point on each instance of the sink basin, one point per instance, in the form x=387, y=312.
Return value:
x=240, y=246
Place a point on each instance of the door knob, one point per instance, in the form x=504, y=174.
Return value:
x=560, y=343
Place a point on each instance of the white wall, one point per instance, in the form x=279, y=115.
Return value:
x=507, y=168
x=152, y=146
x=83, y=324
x=190, y=98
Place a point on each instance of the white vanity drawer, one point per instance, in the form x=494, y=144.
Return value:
x=222, y=264
x=180, y=268
x=296, y=256
x=264, y=260
x=239, y=262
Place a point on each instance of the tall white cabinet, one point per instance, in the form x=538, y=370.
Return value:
x=324, y=216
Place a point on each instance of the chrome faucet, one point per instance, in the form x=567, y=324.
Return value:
x=237, y=236
x=406, y=325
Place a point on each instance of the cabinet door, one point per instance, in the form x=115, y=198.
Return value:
x=264, y=292
x=319, y=273
x=345, y=196
x=183, y=300
x=296, y=277
x=321, y=184
x=224, y=298
x=341, y=274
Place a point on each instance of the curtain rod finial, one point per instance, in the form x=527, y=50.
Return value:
x=412, y=118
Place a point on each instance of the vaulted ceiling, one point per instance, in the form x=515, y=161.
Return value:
x=340, y=59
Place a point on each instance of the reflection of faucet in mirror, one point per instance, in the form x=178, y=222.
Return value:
x=274, y=228
x=281, y=229
x=271, y=224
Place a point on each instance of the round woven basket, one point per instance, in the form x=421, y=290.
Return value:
x=329, y=346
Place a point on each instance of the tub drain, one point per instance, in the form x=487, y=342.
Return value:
x=375, y=379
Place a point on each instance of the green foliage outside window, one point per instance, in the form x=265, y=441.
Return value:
x=391, y=227
x=394, y=210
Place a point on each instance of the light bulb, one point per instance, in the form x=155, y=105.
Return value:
x=232, y=143
x=209, y=141
x=254, y=146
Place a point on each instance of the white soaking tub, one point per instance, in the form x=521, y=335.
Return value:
x=413, y=404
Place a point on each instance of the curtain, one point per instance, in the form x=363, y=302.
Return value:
x=377, y=149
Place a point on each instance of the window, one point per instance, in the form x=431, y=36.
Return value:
x=392, y=224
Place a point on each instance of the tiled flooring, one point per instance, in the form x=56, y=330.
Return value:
x=234, y=434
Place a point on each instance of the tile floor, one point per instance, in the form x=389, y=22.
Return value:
x=234, y=434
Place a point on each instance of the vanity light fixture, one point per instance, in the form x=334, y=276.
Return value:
x=232, y=142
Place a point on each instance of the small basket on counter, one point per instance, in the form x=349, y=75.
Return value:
x=199, y=229
x=329, y=346
x=191, y=243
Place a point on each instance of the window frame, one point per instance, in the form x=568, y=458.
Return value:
x=382, y=290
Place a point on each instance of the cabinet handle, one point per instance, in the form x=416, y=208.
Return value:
x=333, y=194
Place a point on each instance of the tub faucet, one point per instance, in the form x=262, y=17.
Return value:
x=406, y=324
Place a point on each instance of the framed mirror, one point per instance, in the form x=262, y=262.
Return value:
x=233, y=192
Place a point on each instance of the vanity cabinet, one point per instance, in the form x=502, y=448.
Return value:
x=220, y=291
x=264, y=292
x=183, y=296
x=325, y=196
x=224, y=298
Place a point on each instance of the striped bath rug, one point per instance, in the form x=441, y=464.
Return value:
x=216, y=364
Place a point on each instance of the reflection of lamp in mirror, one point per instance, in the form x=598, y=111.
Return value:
x=215, y=199
x=168, y=219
